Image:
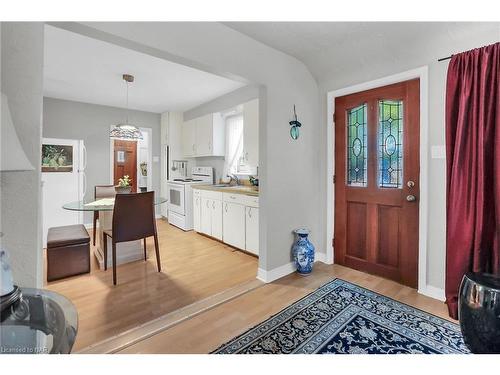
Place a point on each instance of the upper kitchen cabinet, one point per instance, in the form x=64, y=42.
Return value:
x=204, y=136
x=189, y=138
x=251, y=133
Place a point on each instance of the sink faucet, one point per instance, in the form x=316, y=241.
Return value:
x=234, y=178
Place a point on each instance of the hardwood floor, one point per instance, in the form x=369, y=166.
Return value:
x=207, y=331
x=194, y=267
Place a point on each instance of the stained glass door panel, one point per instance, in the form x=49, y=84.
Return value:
x=390, y=143
x=357, y=146
x=376, y=155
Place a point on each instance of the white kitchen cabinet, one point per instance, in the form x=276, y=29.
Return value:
x=229, y=217
x=189, y=138
x=233, y=224
x=252, y=230
x=206, y=216
x=197, y=210
x=251, y=133
x=204, y=136
x=217, y=219
x=210, y=212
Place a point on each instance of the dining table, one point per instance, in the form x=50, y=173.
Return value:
x=126, y=251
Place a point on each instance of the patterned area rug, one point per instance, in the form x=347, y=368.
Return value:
x=341, y=317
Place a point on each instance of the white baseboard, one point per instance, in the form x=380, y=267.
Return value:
x=276, y=273
x=284, y=270
x=433, y=292
x=320, y=257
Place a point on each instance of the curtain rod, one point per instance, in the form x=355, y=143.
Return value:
x=445, y=58
x=449, y=57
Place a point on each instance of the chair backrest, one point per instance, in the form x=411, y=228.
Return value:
x=133, y=216
x=104, y=191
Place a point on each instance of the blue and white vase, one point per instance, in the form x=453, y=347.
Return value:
x=303, y=252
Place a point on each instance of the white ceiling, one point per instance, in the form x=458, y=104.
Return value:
x=87, y=70
x=329, y=48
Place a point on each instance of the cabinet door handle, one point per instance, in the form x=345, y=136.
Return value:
x=226, y=207
x=250, y=212
x=207, y=204
x=213, y=205
x=210, y=145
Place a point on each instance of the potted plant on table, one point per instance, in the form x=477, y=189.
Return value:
x=124, y=185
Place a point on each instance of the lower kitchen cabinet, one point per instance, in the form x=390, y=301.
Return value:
x=252, y=230
x=197, y=210
x=234, y=224
x=231, y=218
x=217, y=219
x=206, y=216
x=211, y=217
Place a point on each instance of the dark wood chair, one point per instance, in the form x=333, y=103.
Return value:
x=100, y=192
x=133, y=219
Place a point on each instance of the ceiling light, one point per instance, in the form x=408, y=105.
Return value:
x=126, y=131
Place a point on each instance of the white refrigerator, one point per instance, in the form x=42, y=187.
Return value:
x=63, y=181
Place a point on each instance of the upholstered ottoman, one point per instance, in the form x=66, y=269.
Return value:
x=68, y=252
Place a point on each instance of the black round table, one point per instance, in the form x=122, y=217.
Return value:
x=479, y=312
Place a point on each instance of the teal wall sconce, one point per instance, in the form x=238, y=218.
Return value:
x=294, y=125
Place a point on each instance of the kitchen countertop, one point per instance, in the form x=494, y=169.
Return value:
x=236, y=189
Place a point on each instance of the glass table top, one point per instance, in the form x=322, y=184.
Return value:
x=40, y=322
x=106, y=204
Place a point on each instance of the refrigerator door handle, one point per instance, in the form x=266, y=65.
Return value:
x=84, y=177
x=84, y=152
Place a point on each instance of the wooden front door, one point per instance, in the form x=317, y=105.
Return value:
x=377, y=181
x=125, y=161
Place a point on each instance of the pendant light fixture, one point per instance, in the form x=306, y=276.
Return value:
x=126, y=131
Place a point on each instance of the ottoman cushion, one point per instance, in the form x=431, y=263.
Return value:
x=67, y=235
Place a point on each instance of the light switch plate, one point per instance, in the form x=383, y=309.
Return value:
x=438, y=152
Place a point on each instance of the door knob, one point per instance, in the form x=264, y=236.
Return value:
x=410, y=184
x=411, y=198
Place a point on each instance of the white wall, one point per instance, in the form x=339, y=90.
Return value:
x=421, y=52
x=224, y=102
x=289, y=170
x=22, y=82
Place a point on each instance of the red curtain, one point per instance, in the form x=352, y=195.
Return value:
x=473, y=167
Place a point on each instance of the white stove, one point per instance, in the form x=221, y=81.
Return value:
x=180, y=196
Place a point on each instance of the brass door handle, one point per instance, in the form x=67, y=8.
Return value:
x=411, y=198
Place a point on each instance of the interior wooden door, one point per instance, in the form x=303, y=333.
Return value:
x=377, y=181
x=125, y=161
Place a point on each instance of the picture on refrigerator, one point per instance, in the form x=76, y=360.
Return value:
x=57, y=158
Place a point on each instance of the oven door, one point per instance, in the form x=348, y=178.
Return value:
x=176, y=198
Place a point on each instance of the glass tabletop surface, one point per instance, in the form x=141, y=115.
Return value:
x=40, y=322
x=106, y=204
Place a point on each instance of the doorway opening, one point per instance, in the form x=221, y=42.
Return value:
x=195, y=268
x=377, y=181
x=422, y=74
x=133, y=159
